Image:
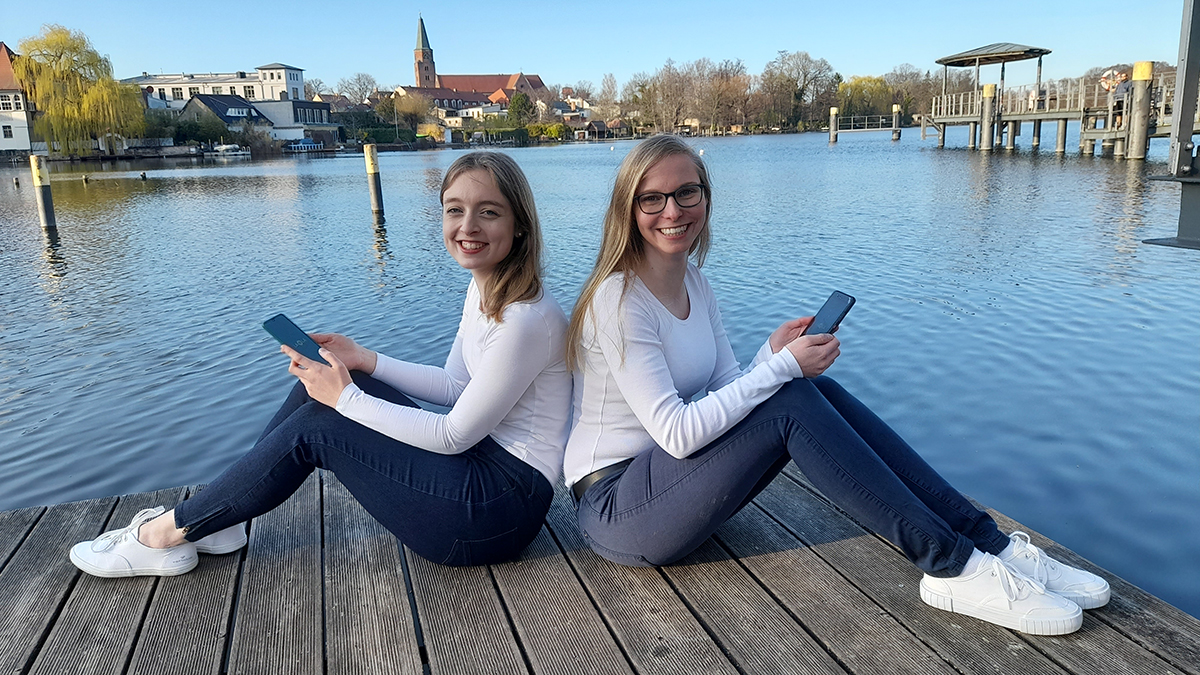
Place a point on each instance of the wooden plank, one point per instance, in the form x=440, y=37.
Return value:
x=969, y=645
x=1165, y=630
x=463, y=620
x=197, y=604
x=97, y=627
x=278, y=627
x=861, y=635
x=39, y=575
x=14, y=527
x=754, y=630
x=559, y=627
x=657, y=631
x=368, y=622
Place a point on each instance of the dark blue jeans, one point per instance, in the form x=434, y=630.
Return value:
x=661, y=508
x=478, y=507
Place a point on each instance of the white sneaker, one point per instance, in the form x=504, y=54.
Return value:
x=224, y=541
x=997, y=594
x=1079, y=586
x=118, y=553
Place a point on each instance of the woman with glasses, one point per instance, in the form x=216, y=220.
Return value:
x=656, y=470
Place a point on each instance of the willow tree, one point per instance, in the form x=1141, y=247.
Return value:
x=74, y=93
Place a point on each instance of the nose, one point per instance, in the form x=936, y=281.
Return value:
x=672, y=210
x=470, y=223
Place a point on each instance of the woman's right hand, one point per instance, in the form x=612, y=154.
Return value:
x=349, y=352
x=814, y=353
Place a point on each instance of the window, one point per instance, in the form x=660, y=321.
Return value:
x=192, y=91
x=218, y=90
x=7, y=131
x=162, y=94
x=271, y=76
x=295, y=93
x=16, y=101
x=5, y=102
x=249, y=92
x=176, y=93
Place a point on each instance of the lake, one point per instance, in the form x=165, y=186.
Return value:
x=1009, y=323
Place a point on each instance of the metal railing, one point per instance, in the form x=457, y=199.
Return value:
x=865, y=123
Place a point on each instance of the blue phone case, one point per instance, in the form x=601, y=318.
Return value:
x=287, y=333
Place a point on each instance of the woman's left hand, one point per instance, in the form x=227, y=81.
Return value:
x=323, y=383
x=789, y=331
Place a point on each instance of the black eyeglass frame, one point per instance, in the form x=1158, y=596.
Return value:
x=637, y=199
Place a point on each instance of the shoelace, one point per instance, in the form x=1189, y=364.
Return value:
x=1016, y=585
x=1042, y=563
x=113, y=537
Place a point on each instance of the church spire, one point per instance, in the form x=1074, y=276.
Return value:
x=422, y=38
x=423, y=67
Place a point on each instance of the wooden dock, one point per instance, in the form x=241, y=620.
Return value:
x=790, y=585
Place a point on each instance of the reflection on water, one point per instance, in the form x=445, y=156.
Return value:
x=1009, y=322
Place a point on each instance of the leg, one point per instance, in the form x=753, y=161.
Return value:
x=921, y=479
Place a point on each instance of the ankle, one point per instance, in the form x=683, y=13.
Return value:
x=161, y=532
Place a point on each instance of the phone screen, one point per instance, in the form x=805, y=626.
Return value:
x=287, y=333
x=831, y=314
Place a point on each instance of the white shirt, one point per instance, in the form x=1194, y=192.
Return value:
x=641, y=368
x=508, y=380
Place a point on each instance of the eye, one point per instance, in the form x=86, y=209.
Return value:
x=453, y=210
x=689, y=192
x=651, y=199
x=491, y=213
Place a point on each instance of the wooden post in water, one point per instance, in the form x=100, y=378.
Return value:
x=41, y=188
x=973, y=130
x=895, y=121
x=373, y=182
x=833, y=124
x=988, y=133
x=1060, y=142
x=1139, y=111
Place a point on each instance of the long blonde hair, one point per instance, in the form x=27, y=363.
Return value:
x=622, y=245
x=517, y=278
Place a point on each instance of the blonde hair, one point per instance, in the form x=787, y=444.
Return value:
x=517, y=278
x=621, y=245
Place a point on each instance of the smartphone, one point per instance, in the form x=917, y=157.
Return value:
x=281, y=328
x=831, y=314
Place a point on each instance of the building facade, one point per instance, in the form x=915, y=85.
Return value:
x=272, y=82
x=15, y=115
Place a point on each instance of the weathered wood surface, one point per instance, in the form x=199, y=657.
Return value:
x=789, y=585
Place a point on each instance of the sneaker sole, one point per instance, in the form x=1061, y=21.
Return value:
x=1089, y=600
x=140, y=572
x=1061, y=626
x=220, y=550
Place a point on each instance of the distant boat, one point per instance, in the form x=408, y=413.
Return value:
x=230, y=149
x=304, y=145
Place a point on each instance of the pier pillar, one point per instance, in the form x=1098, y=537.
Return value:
x=895, y=122
x=942, y=137
x=1106, y=147
x=973, y=130
x=833, y=124
x=1011, y=141
x=373, y=181
x=1037, y=134
x=1118, y=148
x=41, y=189
x=1060, y=141
x=1139, y=110
x=1087, y=146
x=987, y=125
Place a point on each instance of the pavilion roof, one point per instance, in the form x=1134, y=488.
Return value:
x=1000, y=52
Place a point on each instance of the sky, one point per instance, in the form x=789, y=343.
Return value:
x=564, y=44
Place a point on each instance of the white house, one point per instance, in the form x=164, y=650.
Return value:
x=14, y=108
x=293, y=120
x=272, y=82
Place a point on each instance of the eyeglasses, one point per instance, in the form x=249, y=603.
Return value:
x=651, y=203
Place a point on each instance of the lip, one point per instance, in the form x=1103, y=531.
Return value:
x=687, y=227
x=470, y=251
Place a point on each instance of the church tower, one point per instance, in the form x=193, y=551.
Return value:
x=423, y=67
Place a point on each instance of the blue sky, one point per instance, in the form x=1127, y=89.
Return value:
x=565, y=44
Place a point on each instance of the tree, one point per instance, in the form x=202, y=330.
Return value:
x=606, y=102
x=412, y=110
x=864, y=95
x=520, y=109
x=584, y=89
x=794, y=81
x=72, y=87
x=312, y=87
x=358, y=87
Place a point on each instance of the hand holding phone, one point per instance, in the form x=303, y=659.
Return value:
x=287, y=333
x=831, y=314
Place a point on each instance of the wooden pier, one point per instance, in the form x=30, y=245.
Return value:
x=790, y=585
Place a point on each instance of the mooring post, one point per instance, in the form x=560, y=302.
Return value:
x=1060, y=142
x=1037, y=134
x=833, y=124
x=988, y=133
x=973, y=130
x=41, y=187
x=373, y=182
x=1139, y=111
x=895, y=121
x=1011, y=130
x=942, y=137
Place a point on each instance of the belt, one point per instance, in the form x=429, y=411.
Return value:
x=594, y=477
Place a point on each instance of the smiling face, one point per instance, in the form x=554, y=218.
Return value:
x=671, y=232
x=477, y=223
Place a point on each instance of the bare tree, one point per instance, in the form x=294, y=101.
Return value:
x=584, y=89
x=606, y=102
x=795, y=81
x=312, y=87
x=358, y=87
x=633, y=100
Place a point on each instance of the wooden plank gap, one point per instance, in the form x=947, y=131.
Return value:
x=141, y=625
x=591, y=598
x=412, y=607
x=16, y=546
x=712, y=634
x=512, y=625
x=321, y=485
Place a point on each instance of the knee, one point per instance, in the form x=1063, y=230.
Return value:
x=826, y=384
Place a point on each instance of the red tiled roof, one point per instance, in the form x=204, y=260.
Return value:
x=489, y=83
x=501, y=95
x=8, y=79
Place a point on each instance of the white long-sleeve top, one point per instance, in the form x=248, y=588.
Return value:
x=641, y=368
x=506, y=380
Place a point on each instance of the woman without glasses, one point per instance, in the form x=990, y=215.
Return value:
x=656, y=472
x=468, y=487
